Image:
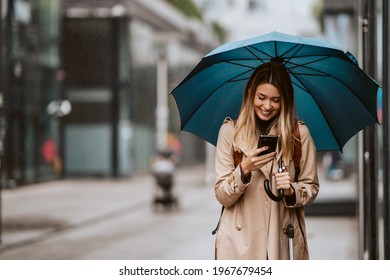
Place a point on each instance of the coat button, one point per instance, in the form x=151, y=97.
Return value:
x=238, y=227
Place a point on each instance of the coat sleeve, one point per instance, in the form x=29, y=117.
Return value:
x=228, y=185
x=307, y=187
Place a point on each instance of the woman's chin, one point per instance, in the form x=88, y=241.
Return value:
x=265, y=118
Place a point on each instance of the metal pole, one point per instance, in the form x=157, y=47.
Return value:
x=1, y=116
x=370, y=139
x=6, y=42
x=386, y=129
x=372, y=130
x=162, y=98
x=115, y=88
x=359, y=151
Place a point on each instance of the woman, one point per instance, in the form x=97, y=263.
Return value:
x=252, y=226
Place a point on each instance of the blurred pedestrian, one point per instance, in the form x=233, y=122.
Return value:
x=163, y=168
x=252, y=226
x=335, y=169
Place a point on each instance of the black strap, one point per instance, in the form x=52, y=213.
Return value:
x=216, y=228
x=297, y=151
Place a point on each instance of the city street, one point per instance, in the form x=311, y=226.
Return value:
x=91, y=90
x=105, y=219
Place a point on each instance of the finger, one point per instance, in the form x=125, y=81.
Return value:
x=282, y=181
x=267, y=156
x=283, y=187
x=260, y=150
x=283, y=175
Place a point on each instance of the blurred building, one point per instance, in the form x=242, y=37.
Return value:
x=248, y=18
x=340, y=24
x=31, y=79
x=81, y=81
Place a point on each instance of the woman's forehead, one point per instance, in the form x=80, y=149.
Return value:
x=268, y=90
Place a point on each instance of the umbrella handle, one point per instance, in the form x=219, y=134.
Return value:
x=267, y=185
x=270, y=194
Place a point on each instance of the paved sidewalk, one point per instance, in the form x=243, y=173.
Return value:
x=114, y=219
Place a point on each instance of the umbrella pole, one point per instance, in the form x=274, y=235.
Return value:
x=290, y=235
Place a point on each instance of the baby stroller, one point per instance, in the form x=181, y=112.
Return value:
x=163, y=168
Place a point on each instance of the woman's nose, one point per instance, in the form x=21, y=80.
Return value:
x=267, y=104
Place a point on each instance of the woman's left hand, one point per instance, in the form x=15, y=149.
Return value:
x=283, y=182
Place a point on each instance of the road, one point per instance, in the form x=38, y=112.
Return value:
x=105, y=219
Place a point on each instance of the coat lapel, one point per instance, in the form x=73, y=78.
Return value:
x=266, y=169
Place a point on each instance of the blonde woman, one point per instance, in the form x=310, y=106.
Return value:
x=253, y=226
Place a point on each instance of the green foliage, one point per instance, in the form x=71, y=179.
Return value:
x=187, y=7
x=318, y=13
x=220, y=31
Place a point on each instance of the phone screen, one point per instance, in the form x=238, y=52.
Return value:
x=268, y=140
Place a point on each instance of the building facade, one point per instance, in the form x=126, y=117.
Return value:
x=81, y=82
x=248, y=18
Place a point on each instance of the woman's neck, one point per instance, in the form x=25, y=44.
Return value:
x=265, y=126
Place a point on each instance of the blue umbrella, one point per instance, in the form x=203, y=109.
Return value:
x=333, y=96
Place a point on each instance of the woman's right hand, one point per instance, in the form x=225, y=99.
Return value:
x=253, y=161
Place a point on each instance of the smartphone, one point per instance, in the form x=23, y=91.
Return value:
x=268, y=140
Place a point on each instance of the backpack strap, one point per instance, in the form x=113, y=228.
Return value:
x=237, y=156
x=297, y=153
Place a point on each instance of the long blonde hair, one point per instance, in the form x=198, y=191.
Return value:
x=284, y=126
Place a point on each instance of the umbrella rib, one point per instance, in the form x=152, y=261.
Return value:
x=210, y=94
x=300, y=86
x=305, y=65
x=262, y=60
x=296, y=65
x=324, y=74
x=242, y=65
x=286, y=59
x=319, y=107
x=292, y=56
x=276, y=51
x=320, y=73
x=252, y=53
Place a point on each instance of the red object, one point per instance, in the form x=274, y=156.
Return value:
x=49, y=151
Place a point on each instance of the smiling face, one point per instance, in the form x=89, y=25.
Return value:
x=267, y=101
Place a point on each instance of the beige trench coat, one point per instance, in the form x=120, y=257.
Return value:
x=252, y=225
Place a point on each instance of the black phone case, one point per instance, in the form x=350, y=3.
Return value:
x=268, y=140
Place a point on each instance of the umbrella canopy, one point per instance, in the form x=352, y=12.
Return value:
x=333, y=96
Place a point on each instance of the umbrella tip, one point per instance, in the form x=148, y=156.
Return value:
x=278, y=60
